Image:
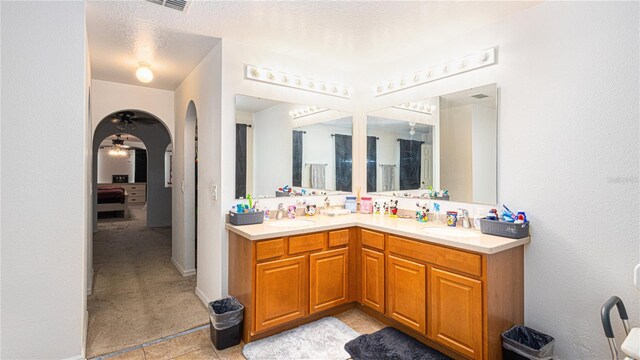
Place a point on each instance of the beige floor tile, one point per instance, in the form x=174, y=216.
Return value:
x=131, y=355
x=206, y=353
x=360, y=322
x=232, y=353
x=176, y=346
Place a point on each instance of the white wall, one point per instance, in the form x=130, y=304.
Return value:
x=108, y=97
x=272, y=149
x=44, y=201
x=456, y=173
x=203, y=88
x=109, y=165
x=568, y=146
x=484, y=153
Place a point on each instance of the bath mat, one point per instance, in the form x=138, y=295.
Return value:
x=322, y=339
x=391, y=344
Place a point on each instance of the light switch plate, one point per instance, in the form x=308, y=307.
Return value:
x=214, y=191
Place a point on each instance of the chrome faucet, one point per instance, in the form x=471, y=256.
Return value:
x=465, y=218
x=280, y=213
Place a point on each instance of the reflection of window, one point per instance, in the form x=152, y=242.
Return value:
x=241, y=161
x=372, y=161
x=410, y=164
x=344, y=162
x=296, y=167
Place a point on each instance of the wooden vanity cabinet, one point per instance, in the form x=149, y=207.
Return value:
x=372, y=280
x=329, y=279
x=454, y=300
x=406, y=292
x=281, y=291
x=283, y=281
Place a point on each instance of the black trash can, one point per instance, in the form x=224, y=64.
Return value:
x=225, y=323
x=523, y=343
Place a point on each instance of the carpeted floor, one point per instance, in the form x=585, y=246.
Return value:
x=138, y=295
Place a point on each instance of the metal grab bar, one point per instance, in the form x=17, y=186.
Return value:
x=605, y=315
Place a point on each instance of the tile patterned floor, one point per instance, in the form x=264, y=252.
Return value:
x=197, y=345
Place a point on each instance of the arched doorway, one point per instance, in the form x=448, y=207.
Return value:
x=138, y=296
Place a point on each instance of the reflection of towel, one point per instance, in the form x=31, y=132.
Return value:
x=387, y=177
x=317, y=176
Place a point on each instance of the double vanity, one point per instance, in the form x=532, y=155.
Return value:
x=454, y=289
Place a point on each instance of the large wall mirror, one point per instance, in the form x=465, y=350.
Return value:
x=279, y=144
x=446, y=142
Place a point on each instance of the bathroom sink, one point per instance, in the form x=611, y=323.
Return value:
x=453, y=232
x=290, y=223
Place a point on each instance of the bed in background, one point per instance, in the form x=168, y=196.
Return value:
x=112, y=198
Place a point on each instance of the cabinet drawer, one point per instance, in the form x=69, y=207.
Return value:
x=338, y=237
x=449, y=258
x=136, y=200
x=136, y=193
x=305, y=243
x=372, y=239
x=269, y=249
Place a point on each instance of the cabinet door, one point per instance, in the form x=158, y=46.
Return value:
x=455, y=312
x=373, y=279
x=329, y=279
x=281, y=291
x=406, y=292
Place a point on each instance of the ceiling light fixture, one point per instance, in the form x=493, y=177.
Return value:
x=306, y=111
x=259, y=73
x=470, y=62
x=144, y=73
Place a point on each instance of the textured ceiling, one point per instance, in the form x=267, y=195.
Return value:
x=345, y=34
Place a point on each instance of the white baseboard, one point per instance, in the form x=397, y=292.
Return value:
x=84, y=335
x=90, y=283
x=77, y=357
x=182, y=271
x=202, y=297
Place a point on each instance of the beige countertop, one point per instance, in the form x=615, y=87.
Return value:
x=485, y=244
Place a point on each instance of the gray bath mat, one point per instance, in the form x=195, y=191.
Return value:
x=391, y=344
x=322, y=339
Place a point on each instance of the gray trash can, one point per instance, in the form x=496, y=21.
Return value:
x=523, y=343
x=225, y=323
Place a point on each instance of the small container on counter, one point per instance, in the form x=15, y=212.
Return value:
x=452, y=218
x=351, y=204
x=366, y=205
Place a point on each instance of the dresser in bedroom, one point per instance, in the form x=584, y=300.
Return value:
x=137, y=191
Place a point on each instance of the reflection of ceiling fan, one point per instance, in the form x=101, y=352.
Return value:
x=128, y=120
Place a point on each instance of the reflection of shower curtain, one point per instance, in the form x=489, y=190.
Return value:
x=297, y=158
x=372, y=160
x=343, y=162
x=410, y=164
x=241, y=161
x=387, y=177
x=317, y=176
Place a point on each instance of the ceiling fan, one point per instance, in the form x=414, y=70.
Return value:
x=127, y=121
x=119, y=148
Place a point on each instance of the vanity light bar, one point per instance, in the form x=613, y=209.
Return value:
x=306, y=111
x=417, y=107
x=282, y=78
x=470, y=62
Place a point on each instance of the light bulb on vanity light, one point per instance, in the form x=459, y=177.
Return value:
x=144, y=73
